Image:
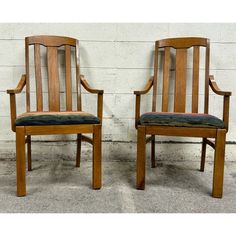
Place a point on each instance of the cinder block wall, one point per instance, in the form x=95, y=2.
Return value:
x=119, y=59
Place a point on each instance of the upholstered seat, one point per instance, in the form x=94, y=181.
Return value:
x=181, y=120
x=56, y=118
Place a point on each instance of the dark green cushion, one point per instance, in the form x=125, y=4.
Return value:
x=56, y=118
x=181, y=120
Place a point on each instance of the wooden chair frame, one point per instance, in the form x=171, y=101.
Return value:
x=181, y=45
x=23, y=133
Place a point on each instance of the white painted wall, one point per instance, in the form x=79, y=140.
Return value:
x=118, y=59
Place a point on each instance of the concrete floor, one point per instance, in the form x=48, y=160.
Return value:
x=57, y=186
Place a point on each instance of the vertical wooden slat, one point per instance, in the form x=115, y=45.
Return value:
x=68, y=78
x=38, y=77
x=154, y=98
x=195, y=83
x=27, y=76
x=53, y=80
x=180, y=80
x=166, y=75
x=206, y=102
x=78, y=82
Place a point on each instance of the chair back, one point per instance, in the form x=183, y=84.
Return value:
x=171, y=60
x=48, y=61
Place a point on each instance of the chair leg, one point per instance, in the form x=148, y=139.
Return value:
x=20, y=161
x=97, y=159
x=78, y=155
x=218, y=173
x=153, y=163
x=141, y=151
x=203, y=156
x=29, y=153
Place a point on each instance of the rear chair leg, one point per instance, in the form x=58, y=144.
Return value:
x=218, y=174
x=97, y=157
x=78, y=155
x=141, y=151
x=203, y=156
x=20, y=161
x=29, y=153
x=153, y=163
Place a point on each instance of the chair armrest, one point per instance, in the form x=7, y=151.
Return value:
x=215, y=87
x=86, y=85
x=12, y=93
x=146, y=88
x=98, y=92
x=226, y=100
x=138, y=94
x=19, y=87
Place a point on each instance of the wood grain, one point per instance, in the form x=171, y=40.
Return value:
x=53, y=79
x=180, y=80
x=195, y=83
x=38, y=77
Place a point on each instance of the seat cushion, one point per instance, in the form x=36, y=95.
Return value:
x=181, y=120
x=56, y=118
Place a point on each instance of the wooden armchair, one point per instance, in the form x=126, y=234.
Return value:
x=52, y=120
x=178, y=122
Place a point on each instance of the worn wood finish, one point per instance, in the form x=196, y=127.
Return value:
x=38, y=77
x=182, y=45
x=20, y=161
x=218, y=175
x=97, y=155
x=166, y=78
x=141, y=156
x=53, y=80
x=180, y=80
x=195, y=82
x=68, y=78
x=52, y=43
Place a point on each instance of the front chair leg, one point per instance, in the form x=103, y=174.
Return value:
x=97, y=157
x=20, y=161
x=218, y=174
x=29, y=153
x=78, y=154
x=141, y=151
x=203, y=156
